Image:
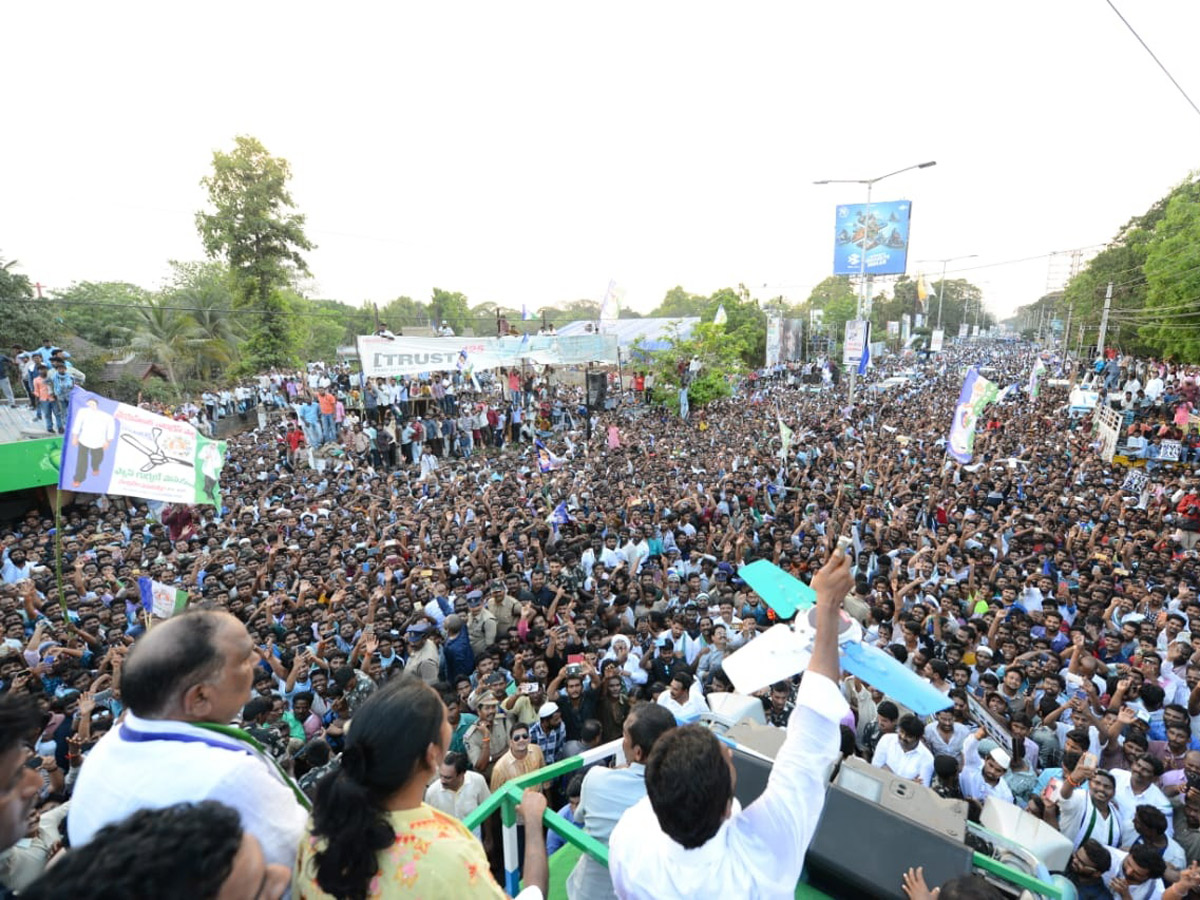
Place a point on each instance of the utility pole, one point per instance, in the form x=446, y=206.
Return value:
x=1104, y=320
x=1067, y=331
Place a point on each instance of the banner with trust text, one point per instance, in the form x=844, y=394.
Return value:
x=382, y=357
x=115, y=448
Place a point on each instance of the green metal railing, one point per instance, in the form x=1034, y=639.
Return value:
x=508, y=795
x=506, y=798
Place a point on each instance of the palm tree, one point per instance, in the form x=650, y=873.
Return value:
x=215, y=341
x=166, y=336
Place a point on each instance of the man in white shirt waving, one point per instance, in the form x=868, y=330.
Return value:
x=690, y=838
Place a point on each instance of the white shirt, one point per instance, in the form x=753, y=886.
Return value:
x=93, y=427
x=758, y=852
x=464, y=801
x=1075, y=819
x=1127, y=802
x=1151, y=890
x=690, y=709
x=121, y=776
x=915, y=763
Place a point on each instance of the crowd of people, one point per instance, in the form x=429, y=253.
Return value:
x=518, y=612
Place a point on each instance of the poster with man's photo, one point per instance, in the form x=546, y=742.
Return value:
x=115, y=448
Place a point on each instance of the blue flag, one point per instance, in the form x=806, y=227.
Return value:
x=560, y=516
x=866, y=358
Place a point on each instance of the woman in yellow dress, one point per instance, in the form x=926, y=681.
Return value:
x=372, y=835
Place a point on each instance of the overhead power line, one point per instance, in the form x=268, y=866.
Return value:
x=1166, y=72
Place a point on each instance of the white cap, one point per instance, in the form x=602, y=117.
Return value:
x=548, y=709
x=1000, y=758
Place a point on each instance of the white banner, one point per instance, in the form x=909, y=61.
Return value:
x=936, y=340
x=852, y=346
x=381, y=357
x=1108, y=430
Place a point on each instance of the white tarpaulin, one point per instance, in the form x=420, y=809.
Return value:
x=652, y=332
x=382, y=357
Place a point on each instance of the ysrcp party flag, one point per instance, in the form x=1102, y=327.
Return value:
x=115, y=448
x=1035, y=376
x=977, y=393
x=786, y=436
x=161, y=600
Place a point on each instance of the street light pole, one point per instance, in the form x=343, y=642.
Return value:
x=862, y=258
x=942, y=286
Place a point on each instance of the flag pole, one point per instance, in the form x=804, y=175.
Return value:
x=58, y=564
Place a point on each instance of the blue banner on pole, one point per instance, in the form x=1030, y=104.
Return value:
x=880, y=231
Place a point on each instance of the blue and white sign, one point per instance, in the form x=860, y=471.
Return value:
x=880, y=231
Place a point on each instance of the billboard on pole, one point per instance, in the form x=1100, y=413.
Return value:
x=936, y=340
x=880, y=231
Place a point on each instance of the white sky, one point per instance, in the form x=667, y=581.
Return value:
x=530, y=152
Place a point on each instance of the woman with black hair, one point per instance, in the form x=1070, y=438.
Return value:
x=373, y=836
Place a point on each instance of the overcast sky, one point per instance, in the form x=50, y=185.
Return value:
x=530, y=152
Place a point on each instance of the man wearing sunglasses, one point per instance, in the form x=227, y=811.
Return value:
x=523, y=757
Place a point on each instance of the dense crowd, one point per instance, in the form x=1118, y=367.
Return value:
x=377, y=527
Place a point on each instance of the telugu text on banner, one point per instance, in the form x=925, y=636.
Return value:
x=115, y=448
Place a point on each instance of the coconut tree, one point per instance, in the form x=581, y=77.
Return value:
x=166, y=336
x=214, y=342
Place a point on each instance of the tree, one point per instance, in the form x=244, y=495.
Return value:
x=679, y=303
x=26, y=319
x=837, y=300
x=166, y=336
x=214, y=342
x=745, y=329
x=1172, y=309
x=401, y=312
x=719, y=357
x=1121, y=262
x=103, y=312
x=451, y=307
x=252, y=229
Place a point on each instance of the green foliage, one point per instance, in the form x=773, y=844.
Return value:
x=166, y=336
x=707, y=387
x=449, y=306
x=679, y=303
x=102, y=311
x=252, y=228
x=26, y=320
x=1122, y=262
x=403, y=312
x=838, y=302
x=720, y=358
x=744, y=334
x=322, y=326
x=1172, y=270
x=272, y=340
